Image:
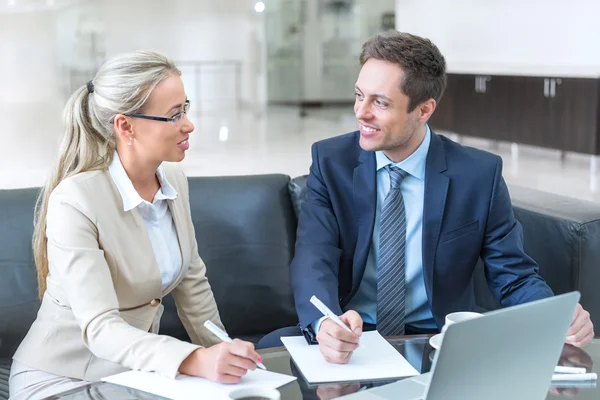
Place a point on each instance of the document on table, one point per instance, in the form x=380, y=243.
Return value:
x=374, y=359
x=188, y=387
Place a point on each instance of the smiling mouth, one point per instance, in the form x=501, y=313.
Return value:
x=368, y=129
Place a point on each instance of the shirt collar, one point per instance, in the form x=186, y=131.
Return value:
x=414, y=164
x=131, y=198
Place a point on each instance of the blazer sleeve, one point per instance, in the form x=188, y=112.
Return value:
x=315, y=267
x=512, y=275
x=193, y=296
x=77, y=261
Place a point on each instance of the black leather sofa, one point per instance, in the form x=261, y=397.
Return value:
x=246, y=227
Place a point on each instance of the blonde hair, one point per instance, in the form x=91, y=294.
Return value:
x=122, y=85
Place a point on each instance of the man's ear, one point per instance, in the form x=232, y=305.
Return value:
x=426, y=109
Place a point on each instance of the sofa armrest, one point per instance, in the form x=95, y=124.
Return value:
x=562, y=235
x=297, y=189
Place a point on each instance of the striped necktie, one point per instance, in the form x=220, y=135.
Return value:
x=391, y=269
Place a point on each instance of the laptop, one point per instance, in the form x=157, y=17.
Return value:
x=507, y=354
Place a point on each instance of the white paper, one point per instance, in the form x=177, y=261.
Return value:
x=374, y=359
x=188, y=387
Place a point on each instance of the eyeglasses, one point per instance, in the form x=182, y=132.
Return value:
x=175, y=119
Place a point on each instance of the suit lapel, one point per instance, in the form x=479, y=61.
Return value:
x=141, y=247
x=365, y=202
x=436, y=190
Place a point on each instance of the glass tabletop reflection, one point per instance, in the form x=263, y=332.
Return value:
x=416, y=349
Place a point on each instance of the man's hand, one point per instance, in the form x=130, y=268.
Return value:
x=337, y=344
x=581, y=331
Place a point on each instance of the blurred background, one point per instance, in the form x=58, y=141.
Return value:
x=268, y=78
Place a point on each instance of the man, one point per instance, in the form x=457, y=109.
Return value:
x=396, y=217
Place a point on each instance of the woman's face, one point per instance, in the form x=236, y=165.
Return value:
x=158, y=141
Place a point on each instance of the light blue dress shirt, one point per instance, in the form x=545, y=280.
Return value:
x=418, y=312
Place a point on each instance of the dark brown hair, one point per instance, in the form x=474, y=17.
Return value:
x=423, y=65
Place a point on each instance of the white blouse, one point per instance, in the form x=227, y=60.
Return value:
x=157, y=217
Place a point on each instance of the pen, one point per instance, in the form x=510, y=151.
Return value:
x=574, y=377
x=218, y=332
x=569, y=370
x=328, y=313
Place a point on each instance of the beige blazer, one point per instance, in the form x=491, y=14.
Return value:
x=104, y=286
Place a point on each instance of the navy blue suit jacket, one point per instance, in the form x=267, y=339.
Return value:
x=467, y=214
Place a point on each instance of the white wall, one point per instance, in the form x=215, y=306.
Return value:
x=40, y=49
x=28, y=67
x=46, y=51
x=193, y=30
x=30, y=99
x=509, y=36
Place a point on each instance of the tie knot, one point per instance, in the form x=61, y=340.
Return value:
x=397, y=175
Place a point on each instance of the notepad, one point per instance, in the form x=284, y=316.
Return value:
x=374, y=359
x=188, y=387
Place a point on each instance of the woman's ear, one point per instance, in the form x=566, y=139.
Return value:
x=123, y=127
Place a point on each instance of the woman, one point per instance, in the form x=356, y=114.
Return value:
x=114, y=235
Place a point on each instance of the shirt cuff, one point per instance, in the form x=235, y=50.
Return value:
x=316, y=325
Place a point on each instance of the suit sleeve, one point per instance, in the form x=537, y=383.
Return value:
x=314, y=269
x=77, y=261
x=511, y=274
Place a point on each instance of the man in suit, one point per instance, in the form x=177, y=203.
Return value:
x=396, y=217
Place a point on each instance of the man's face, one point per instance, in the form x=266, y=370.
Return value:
x=381, y=108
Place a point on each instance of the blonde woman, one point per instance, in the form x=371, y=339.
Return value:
x=114, y=235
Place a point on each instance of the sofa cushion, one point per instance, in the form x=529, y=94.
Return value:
x=171, y=325
x=18, y=279
x=245, y=229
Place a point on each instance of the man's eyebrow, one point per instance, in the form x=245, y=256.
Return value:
x=379, y=96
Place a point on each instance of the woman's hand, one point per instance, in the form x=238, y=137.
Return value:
x=223, y=363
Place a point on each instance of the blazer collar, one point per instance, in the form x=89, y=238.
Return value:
x=131, y=198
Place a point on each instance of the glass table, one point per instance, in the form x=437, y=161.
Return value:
x=415, y=349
